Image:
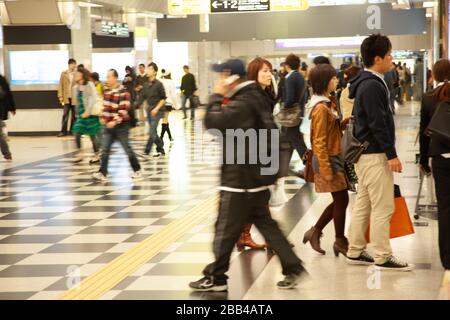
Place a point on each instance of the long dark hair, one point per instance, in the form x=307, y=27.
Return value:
x=441, y=73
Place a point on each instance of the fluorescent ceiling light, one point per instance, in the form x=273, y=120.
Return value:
x=429, y=15
x=428, y=4
x=88, y=4
x=318, y=42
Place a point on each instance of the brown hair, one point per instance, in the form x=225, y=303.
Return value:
x=86, y=75
x=441, y=73
x=320, y=76
x=352, y=72
x=255, y=66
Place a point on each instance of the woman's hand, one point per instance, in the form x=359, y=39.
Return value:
x=347, y=120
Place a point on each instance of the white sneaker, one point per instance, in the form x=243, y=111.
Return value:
x=137, y=175
x=99, y=176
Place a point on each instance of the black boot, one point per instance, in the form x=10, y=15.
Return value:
x=168, y=132
x=163, y=130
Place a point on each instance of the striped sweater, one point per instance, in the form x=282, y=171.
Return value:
x=116, y=105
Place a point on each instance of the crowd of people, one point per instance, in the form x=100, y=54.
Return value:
x=255, y=98
x=246, y=100
x=107, y=111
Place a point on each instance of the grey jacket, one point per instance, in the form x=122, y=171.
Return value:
x=90, y=96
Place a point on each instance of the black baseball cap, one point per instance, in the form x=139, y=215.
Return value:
x=233, y=66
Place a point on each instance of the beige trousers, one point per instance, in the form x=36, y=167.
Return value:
x=374, y=204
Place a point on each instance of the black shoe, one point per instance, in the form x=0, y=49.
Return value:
x=289, y=282
x=364, y=259
x=61, y=135
x=209, y=284
x=394, y=264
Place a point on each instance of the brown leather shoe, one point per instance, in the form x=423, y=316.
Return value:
x=246, y=240
x=313, y=237
x=340, y=246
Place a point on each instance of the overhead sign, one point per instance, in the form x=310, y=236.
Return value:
x=223, y=6
x=111, y=29
x=187, y=7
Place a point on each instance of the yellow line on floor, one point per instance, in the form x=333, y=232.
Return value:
x=100, y=282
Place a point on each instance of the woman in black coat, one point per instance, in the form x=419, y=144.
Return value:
x=439, y=150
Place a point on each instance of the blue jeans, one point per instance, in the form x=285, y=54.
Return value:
x=118, y=133
x=153, y=136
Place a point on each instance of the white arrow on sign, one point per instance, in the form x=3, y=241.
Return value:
x=216, y=4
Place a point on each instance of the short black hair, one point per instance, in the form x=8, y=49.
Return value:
x=95, y=76
x=376, y=45
x=321, y=60
x=320, y=77
x=186, y=67
x=154, y=66
x=114, y=72
x=293, y=61
x=72, y=61
x=142, y=65
x=80, y=66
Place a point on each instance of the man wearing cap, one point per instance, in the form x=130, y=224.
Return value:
x=235, y=107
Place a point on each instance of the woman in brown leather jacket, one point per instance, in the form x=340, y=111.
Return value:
x=328, y=164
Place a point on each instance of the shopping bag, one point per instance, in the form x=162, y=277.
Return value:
x=401, y=224
x=278, y=195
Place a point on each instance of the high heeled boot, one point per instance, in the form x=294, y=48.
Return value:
x=340, y=246
x=313, y=237
x=246, y=240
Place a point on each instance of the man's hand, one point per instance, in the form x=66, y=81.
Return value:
x=154, y=112
x=395, y=165
x=111, y=124
x=221, y=88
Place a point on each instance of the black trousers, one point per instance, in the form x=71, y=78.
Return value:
x=235, y=210
x=295, y=138
x=441, y=174
x=69, y=110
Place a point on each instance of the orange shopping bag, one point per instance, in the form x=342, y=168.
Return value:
x=401, y=224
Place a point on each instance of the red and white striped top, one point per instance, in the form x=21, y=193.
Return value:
x=116, y=103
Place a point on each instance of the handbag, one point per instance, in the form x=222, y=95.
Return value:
x=308, y=162
x=440, y=122
x=289, y=117
x=401, y=224
x=352, y=148
x=97, y=108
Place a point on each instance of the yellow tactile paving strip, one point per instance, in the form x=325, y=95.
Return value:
x=100, y=282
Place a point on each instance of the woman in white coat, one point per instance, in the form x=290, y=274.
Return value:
x=171, y=102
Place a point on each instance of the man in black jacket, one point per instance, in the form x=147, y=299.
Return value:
x=234, y=111
x=374, y=124
x=7, y=105
x=188, y=89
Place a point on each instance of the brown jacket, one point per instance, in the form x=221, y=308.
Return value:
x=326, y=134
x=65, y=87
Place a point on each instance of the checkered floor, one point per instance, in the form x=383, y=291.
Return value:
x=58, y=226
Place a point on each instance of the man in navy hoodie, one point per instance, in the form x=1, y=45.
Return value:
x=374, y=124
